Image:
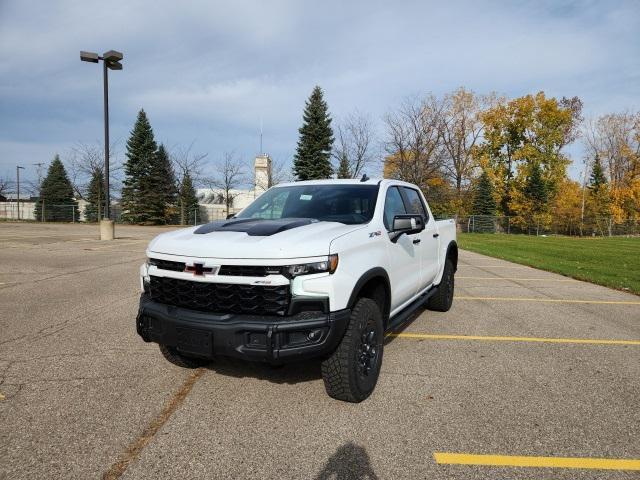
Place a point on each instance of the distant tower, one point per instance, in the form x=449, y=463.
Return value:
x=262, y=178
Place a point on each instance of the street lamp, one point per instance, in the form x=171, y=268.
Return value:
x=110, y=61
x=18, y=168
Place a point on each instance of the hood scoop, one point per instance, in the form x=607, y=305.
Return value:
x=254, y=227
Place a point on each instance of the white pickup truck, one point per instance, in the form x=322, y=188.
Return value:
x=309, y=269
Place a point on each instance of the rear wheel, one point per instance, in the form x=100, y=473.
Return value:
x=443, y=298
x=352, y=370
x=180, y=359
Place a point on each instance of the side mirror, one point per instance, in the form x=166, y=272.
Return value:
x=231, y=215
x=406, y=224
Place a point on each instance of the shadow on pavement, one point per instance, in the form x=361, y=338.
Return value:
x=350, y=461
x=289, y=373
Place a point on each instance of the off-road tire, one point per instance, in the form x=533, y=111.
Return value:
x=352, y=370
x=443, y=298
x=180, y=359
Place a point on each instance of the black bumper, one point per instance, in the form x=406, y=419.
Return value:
x=262, y=338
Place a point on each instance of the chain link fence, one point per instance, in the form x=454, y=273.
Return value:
x=43, y=212
x=593, y=226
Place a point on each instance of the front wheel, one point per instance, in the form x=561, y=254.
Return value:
x=443, y=298
x=352, y=370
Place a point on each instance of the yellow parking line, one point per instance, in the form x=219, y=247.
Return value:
x=519, y=279
x=428, y=336
x=548, y=462
x=493, y=266
x=551, y=300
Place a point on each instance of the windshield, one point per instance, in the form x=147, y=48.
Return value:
x=349, y=204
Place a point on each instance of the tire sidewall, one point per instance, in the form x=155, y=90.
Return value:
x=366, y=315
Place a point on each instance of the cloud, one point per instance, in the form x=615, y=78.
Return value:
x=210, y=70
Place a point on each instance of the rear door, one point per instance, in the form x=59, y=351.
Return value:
x=404, y=255
x=429, y=241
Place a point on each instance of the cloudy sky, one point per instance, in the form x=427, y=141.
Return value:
x=207, y=72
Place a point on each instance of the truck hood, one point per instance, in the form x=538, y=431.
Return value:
x=259, y=239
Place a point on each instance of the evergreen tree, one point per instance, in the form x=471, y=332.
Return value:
x=484, y=205
x=597, y=178
x=536, y=190
x=94, y=210
x=188, y=200
x=159, y=189
x=312, y=158
x=141, y=154
x=599, y=204
x=56, y=193
x=484, y=202
x=344, y=168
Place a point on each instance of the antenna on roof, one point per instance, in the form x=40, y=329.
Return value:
x=261, y=152
x=364, y=178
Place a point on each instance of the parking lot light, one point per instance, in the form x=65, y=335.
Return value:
x=110, y=61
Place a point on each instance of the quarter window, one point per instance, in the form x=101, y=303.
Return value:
x=414, y=202
x=393, y=205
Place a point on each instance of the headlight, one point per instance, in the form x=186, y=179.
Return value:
x=328, y=265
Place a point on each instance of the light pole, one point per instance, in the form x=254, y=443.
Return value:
x=110, y=61
x=18, y=168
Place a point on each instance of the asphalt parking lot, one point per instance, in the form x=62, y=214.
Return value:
x=527, y=368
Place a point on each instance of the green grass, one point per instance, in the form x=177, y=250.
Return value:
x=613, y=262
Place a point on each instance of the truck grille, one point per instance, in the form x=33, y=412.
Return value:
x=167, y=265
x=221, y=297
x=249, y=270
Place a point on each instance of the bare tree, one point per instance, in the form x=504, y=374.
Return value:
x=5, y=185
x=279, y=173
x=230, y=174
x=413, y=141
x=615, y=138
x=354, y=136
x=460, y=131
x=186, y=163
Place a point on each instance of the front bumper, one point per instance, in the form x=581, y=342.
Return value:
x=251, y=337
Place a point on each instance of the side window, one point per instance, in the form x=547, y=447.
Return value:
x=393, y=205
x=414, y=202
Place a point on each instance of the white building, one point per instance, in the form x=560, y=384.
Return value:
x=212, y=200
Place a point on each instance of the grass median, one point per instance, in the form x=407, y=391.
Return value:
x=612, y=262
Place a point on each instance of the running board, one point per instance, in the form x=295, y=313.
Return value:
x=401, y=317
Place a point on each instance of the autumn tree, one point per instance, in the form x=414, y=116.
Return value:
x=313, y=153
x=412, y=141
x=524, y=134
x=615, y=139
x=460, y=132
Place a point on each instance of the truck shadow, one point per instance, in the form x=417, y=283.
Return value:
x=350, y=461
x=290, y=373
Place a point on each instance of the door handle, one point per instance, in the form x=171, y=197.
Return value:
x=416, y=241
x=436, y=235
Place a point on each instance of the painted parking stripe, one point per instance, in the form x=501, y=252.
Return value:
x=446, y=458
x=588, y=341
x=494, y=266
x=517, y=279
x=551, y=300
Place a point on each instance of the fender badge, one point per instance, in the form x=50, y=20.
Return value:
x=375, y=234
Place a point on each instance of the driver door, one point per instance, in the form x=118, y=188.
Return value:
x=403, y=255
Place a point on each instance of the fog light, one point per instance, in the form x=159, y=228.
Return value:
x=314, y=335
